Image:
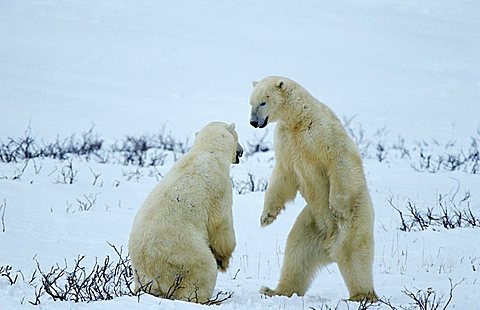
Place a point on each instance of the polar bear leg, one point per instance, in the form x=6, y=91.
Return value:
x=355, y=262
x=145, y=283
x=198, y=279
x=304, y=254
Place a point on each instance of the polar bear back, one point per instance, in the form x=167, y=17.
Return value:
x=172, y=230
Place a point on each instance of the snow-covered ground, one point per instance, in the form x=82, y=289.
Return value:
x=145, y=67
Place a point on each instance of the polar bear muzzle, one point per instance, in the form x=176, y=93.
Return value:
x=239, y=153
x=259, y=115
x=258, y=122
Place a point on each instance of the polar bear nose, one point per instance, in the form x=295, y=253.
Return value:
x=254, y=123
x=239, y=150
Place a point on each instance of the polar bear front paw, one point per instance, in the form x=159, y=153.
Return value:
x=222, y=263
x=267, y=291
x=267, y=219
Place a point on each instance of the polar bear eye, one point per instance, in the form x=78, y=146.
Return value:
x=263, y=103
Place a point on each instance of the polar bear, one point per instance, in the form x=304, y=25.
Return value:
x=184, y=231
x=316, y=157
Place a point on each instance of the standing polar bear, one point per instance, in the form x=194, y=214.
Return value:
x=184, y=231
x=315, y=156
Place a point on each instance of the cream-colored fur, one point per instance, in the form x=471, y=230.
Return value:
x=316, y=157
x=184, y=230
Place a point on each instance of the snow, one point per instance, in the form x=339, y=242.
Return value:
x=410, y=67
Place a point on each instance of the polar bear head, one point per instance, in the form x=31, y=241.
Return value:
x=218, y=137
x=267, y=100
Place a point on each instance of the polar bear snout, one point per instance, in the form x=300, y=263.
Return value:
x=254, y=117
x=264, y=123
x=258, y=122
x=259, y=115
x=239, y=153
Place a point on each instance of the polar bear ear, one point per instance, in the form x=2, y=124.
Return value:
x=254, y=83
x=280, y=84
x=231, y=127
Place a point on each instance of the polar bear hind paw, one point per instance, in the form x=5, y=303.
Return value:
x=267, y=291
x=368, y=297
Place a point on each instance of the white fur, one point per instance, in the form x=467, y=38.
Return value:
x=184, y=228
x=316, y=157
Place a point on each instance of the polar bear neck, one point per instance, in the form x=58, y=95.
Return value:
x=297, y=111
x=301, y=111
x=219, y=147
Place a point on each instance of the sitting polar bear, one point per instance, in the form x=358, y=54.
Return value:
x=184, y=231
x=315, y=156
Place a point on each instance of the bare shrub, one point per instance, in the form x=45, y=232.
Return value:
x=104, y=281
x=3, y=208
x=149, y=150
x=362, y=305
x=6, y=272
x=219, y=298
x=258, y=145
x=177, y=284
x=133, y=174
x=134, y=150
x=169, y=143
x=96, y=177
x=87, y=145
x=145, y=150
x=446, y=213
x=87, y=202
x=382, y=151
x=426, y=156
x=17, y=175
x=68, y=175
x=429, y=299
x=450, y=157
x=17, y=149
x=251, y=184
x=357, y=133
